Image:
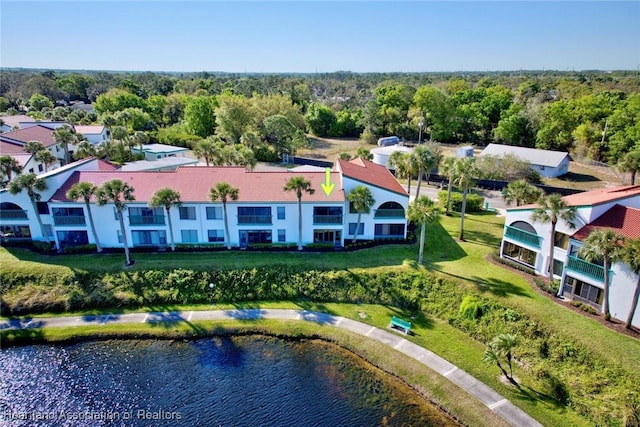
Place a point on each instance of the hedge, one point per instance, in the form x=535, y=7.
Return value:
x=475, y=203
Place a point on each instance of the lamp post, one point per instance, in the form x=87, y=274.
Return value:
x=212, y=286
x=420, y=126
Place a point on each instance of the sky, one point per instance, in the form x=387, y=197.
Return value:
x=320, y=36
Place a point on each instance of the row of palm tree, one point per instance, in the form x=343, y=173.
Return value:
x=215, y=152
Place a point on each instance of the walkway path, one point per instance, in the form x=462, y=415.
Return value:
x=494, y=401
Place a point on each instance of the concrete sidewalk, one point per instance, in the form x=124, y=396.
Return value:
x=494, y=401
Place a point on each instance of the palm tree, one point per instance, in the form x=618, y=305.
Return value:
x=552, y=208
x=423, y=211
x=140, y=138
x=33, y=147
x=85, y=190
x=603, y=245
x=631, y=163
x=33, y=186
x=425, y=160
x=364, y=153
x=46, y=157
x=166, y=197
x=465, y=172
x=206, y=149
x=85, y=149
x=9, y=166
x=118, y=193
x=361, y=199
x=502, y=346
x=399, y=161
x=65, y=135
x=223, y=191
x=630, y=254
x=448, y=170
x=300, y=185
x=521, y=192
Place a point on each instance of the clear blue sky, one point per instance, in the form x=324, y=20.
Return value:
x=322, y=36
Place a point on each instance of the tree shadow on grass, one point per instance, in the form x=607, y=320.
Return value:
x=170, y=319
x=314, y=306
x=496, y=286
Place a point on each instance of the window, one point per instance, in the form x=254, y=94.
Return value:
x=68, y=216
x=352, y=228
x=149, y=237
x=214, y=212
x=584, y=291
x=16, y=231
x=40, y=168
x=390, y=210
x=189, y=236
x=558, y=266
x=385, y=231
x=73, y=238
x=119, y=236
x=254, y=215
x=215, y=235
x=561, y=240
x=146, y=216
x=43, y=208
x=281, y=212
x=327, y=215
x=282, y=236
x=519, y=254
x=187, y=212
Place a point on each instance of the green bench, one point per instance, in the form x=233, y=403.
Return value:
x=400, y=324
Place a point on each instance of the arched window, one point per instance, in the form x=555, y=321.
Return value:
x=524, y=226
x=390, y=210
x=10, y=210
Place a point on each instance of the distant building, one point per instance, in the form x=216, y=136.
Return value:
x=160, y=151
x=547, y=163
x=466, y=151
x=13, y=122
x=381, y=154
x=95, y=134
x=164, y=164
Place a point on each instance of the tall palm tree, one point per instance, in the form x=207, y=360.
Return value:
x=553, y=208
x=65, y=135
x=46, y=157
x=448, y=170
x=140, y=138
x=85, y=190
x=425, y=160
x=465, y=172
x=33, y=186
x=118, y=193
x=223, y=191
x=423, y=211
x=85, y=149
x=361, y=199
x=521, y=192
x=206, y=149
x=631, y=256
x=603, y=245
x=9, y=166
x=167, y=198
x=399, y=161
x=299, y=185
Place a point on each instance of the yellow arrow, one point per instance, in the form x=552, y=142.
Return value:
x=327, y=185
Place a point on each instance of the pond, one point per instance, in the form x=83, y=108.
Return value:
x=239, y=381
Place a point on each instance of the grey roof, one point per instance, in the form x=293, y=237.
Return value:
x=532, y=155
x=160, y=164
x=160, y=148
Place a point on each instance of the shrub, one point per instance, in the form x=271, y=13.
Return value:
x=79, y=249
x=474, y=202
x=550, y=288
x=471, y=308
x=584, y=307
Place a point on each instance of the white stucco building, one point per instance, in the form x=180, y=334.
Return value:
x=547, y=163
x=527, y=242
x=263, y=213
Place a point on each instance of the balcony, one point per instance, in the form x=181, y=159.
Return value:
x=389, y=213
x=146, y=219
x=69, y=220
x=13, y=214
x=254, y=219
x=327, y=219
x=522, y=236
x=589, y=269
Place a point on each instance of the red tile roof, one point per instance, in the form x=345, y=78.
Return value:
x=194, y=183
x=33, y=133
x=371, y=173
x=8, y=148
x=593, y=197
x=621, y=219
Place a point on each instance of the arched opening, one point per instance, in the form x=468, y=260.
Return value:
x=10, y=210
x=524, y=226
x=390, y=210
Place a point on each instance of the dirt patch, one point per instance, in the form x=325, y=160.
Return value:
x=614, y=324
x=330, y=148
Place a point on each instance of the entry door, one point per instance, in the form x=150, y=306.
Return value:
x=244, y=239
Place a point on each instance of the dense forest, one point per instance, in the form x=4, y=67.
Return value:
x=592, y=114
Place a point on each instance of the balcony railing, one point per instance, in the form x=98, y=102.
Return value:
x=69, y=220
x=327, y=219
x=146, y=219
x=589, y=269
x=522, y=236
x=389, y=213
x=254, y=219
x=13, y=214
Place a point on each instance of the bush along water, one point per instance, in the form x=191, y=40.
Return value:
x=556, y=366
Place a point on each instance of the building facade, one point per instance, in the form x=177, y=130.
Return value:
x=528, y=242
